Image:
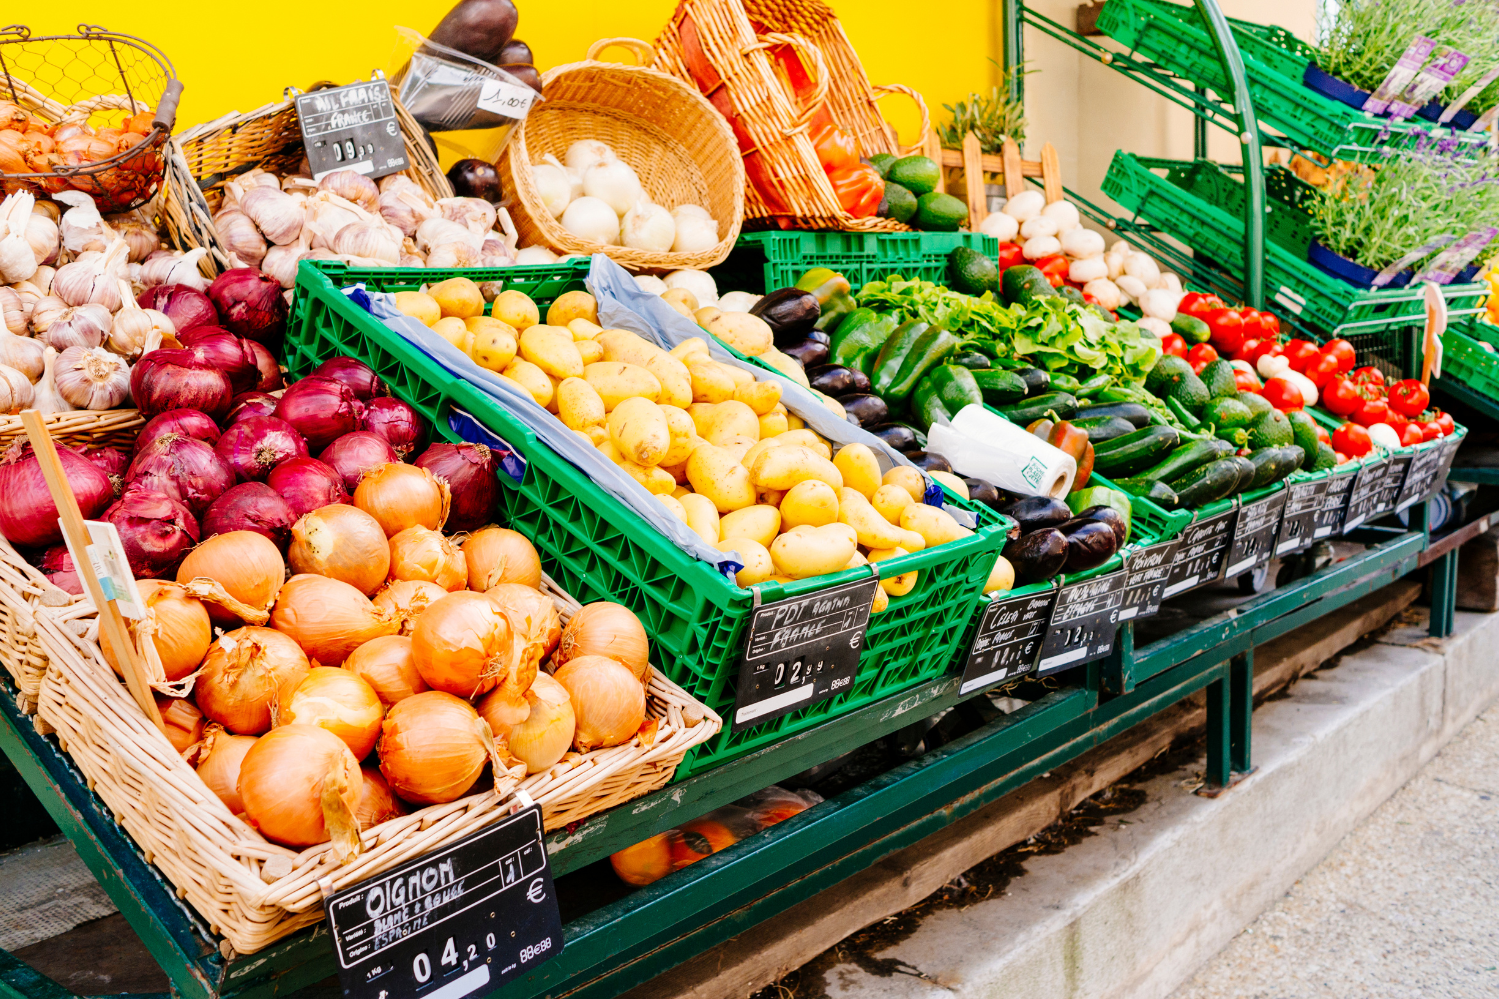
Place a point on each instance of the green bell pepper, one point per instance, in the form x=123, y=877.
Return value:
x=1064, y=383
x=912, y=350
x=833, y=292
x=858, y=339
x=1093, y=386
x=942, y=392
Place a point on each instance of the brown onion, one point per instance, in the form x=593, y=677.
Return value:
x=407, y=598
x=433, y=746
x=356, y=453
x=183, y=720
x=339, y=701
x=220, y=767
x=401, y=496
x=378, y=804
x=341, y=542
x=499, y=555
x=469, y=471
x=307, y=484
x=248, y=677
x=421, y=554
x=607, y=700
x=533, y=617
x=328, y=618
x=247, y=565
x=182, y=630
x=463, y=645
x=251, y=506
x=605, y=629
x=300, y=786
x=385, y=664
x=546, y=733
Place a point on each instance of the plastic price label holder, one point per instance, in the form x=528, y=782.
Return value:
x=1008, y=640
x=1298, y=522
x=802, y=650
x=1329, y=519
x=1083, y=624
x=1200, y=559
x=352, y=128
x=458, y=921
x=1364, y=495
x=1146, y=570
x=1255, y=533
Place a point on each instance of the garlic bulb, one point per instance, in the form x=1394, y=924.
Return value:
x=400, y=182
x=474, y=214
x=404, y=210
x=496, y=253
x=143, y=240
x=615, y=183
x=585, y=153
x=78, y=326
x=280, y=262
x=412, y=260
x=17, y=260
x=351, y=186
x=257, y=178
x=369, y=239
x=456, y=254
x=13, y=314
x=239, y=236
x=135, y=328
x=43, y=278
x=44, y=236
x=553, y=183
x=82, y=226
x=695, y=233
x=93, y=277
x=175, y=267
x=298, y=183
x=648, y=226
x=22, y=353
x=45, y=398
x=330, y=213
x=47, y=310
x=92, y=378
x=16, y=391
x=436, y=231
x=277, y=215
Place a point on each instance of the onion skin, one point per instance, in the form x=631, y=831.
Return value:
x=156, y=531
x=401, y=496
x=307, y=484
x=605, y=629
x=187, y=470
x=246, y=564
x=220, y=768
x=339, y=701
x=192, y=423
x=248, y=675
x=183, y=720
x=463, y=645
x=250, y=506
x=221, y=349
x=341, y=542
x=113, y=462
x=185, y=307
x=421, y=554
x=183, y=632
x=248, y=404
x=251, y=304
x=398, y=423
x=608, y=702
x=407, y=598
x=265, y=362
x=533, y=617
x=385, y=664
x=431, y=749
x=469, y=470
x=283, y=780
x=28, y=517
x=322, y=410
x=378, y=804
x=546, y=734
x=253, y=447
x=58, y=566
x=358, y=376
x=499, y=555
x=179, y=379
x=355, y=453
x=328, y=618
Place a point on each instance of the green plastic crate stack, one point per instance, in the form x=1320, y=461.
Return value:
x=761, y=262
x=597, y=549
x=1470, y=366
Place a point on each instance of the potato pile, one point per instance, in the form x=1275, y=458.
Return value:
x=713, y=444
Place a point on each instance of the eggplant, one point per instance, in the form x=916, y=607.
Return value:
x=832, y=379
x=929, y=462
x=867, y=410
x=1036, y=380
x=897, y=435
x=1104, y=514
x=480, y=28
x=821, y=336
x=1037, y=556
x=809, y=352
x=861, y=381
x=476, y=179
x=516, y=50
x=983, y=492
x=1090, y=545
x=789, y=312
x=1034, y=513
x=525, y=73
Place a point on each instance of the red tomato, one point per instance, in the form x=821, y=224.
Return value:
x=1444, y=420
x=1256, y=349
x=1245, y=382
x=1302, y=353
x=1352, y=439
x=1226, y=329
x=1323, y=435
x=1368, y=376
x=1431, y=430
x=1253, y=328
x=1245, y=349
x=1195, y=303
x=1342, y=350
x=1340, y=397
x=1055, y=268
x=1173, y=344
x=1322, y=369
x=1370, y=412
x=1409, y=397
x=1200, y=356
x=1010, y=255
x=1411, y=434
x=1270, y=324
x=1283, y=394
x=1396, y=420
x=1339, y=458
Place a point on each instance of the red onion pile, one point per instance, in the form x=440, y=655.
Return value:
x=113, y=462
x=186, y=422
x=270, y=371
x=248, y=404
x=184, y=306
x=307, y=484
x=250, y=303
x=355, y=453
x=254, y=446
x=469, y=470
x=156, y=531
x=58, y=567
x=228, y=353
x=181, y=468
x=251, y=506
x=398, y=423
x=322, y=409
x=362, y=381
x=179, y=379
x=28, y=517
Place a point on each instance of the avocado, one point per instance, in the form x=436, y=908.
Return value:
x=916, y=174
x=1304, y=436
x=1190, y=392
x=1072, y=295
x=881, y=162
x=1218, y=376
x=1226, y=413
x=1326, y=457
x=937, y=212
x=1257, y=403
x=1272, y=429
x=971, y=272
x=1169, y=370
x=1023, y=282
x=899, y=203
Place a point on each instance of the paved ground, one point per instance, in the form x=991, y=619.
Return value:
x=1407, y=905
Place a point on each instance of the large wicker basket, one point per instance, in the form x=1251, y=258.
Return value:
x=254, y=892
x=734, y=51
x=23, y=591
x=683, y=151
x=83, y=429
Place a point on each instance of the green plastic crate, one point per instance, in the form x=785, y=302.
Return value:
x=1174, y=37
x=598, y=550
x=1149, y=519
x=1471, y=362
x=764, y=261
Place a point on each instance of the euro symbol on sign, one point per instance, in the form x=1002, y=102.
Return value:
x=536, y=892
x=390, y=128
x=853, y=642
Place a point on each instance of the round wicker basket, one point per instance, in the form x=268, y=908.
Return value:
x=682, y=149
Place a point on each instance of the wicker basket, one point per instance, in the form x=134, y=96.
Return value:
x=732, y=50
x=83, y=428
x=23, y=591
x=254, y=892
x=204, y=158
x=682, y=149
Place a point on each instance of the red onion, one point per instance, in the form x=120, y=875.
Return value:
x=251, y=506
x=227, y=352
x=58, y=567
x=362, y=381
x=248, y=404
x=321, y=409
x=157, y=531
x=270, y=371
x=307, y=484
x=173, y=379
x=182, y=469
x=252, y=447
x=114, y=462
x=354, y=453
x=184, y=306
x=469, y=470
x=250, y=302
x=397, y=422
x=28, y=517
x=192, y=423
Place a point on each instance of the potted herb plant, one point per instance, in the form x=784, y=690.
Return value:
x=992, y=118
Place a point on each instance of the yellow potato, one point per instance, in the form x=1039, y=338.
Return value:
x=880, y=602
x=681, y=491
x=551, y=407
x=616, y=381
x=874, y=531
x=773, y=424
x=532, y=378
x=832, y=405
x=656, y=481
x=758, y=523
x=494, y=346
x=908, y=479
x=711, y=381
x=739, y=445
x=753, y=453
x=516, y=309
x=551, y=349
x=419, y=305
x=585, y=438
x=717, y=474
x=692, y=347
x=807, y=438
x=677, y=472
x=758, y=566
x=762, y=397
x=670, y=502
x=747, y=334
x=888, y=501
x=698, y=414
x=451, y=329
x=622, y=345
x=795, y=422
x=572, y=305
x=785, y=466
x=740, y=376
x=936, y=526
x=706, y=314
x=458, y=297
x=812, y=502
x=896, y=586
x=814, y=551
x=476, y=324
x=702, y=516
x=1001, y=577
x=582, y=329
x=597, y=432
x=860, y=468
x=683, y=435
x=590, y=352
x=772, y=497
x=857, y=561
x=676, y=381
x=954, y=484
x=680, y=299
x=639, y=429
x=786, y=365
x=731, y=419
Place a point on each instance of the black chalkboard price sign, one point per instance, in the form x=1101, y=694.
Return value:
x=802, y=650
x=1393, y=484
x=1199, y=560
x=458, y=921
x=1364, y=495
x=1083, y=623
x=1007, y=641
x=352, y=128
x=1425, y=476
x=1299, y=519
x=1329, y=518
x=1254, y=533
x=1146, y=571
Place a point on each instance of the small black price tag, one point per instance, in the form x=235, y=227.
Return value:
x=1329, y=518
x=1199, y=560
x=352, y=128
x=1255, y=533
x=1299, y=519
x=1008, y=640
x=802, y=650
x=1145, y=573
x=1364, y=495
x=460, y=920
x=1083, y=623
x=1425, y=475
x=1392, y=484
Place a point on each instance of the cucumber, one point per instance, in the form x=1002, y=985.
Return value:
x=1000, y=387
x=1134, y=452
x=1184, y=459
x=1191, y=329
x=1274, y=463
x=1247, y=471
x=1037, y=406
x=1102, y=429
x=1037, y=380
x=1207, y=483
x=1065, y=383
x=1161, y=495
x=1132, y=411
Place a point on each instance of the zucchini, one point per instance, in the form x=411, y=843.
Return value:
x=1247, y=472
x=1132, y=411
x=1274, y=463
x=1102, y=429
x=1186, y=458
x=1190, y=328
x=1134, y=452
x=1036, y=407
x=1160, y=494
x=1064, y=383
x=1037, y=380
x=1207, y=483
x=1000, y=387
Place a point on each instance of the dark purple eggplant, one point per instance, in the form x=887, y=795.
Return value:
x=476, y=179
x=789, y=312
x=1107, y=515
x=516, y=50
x=1089, y=545
x=525, y=73
x=929, y=462
x=897, y=435
x=809, y=352
x=983, y=492
x=1037, y=556
x=869, y=410
x=861, y=381
x=479, y=28
x=833, y=379
x=1034, y=513
x=820, y=336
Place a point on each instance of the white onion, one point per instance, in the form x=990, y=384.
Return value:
x=700, y=283
x=592, y=219
x=527, y=255
x=647, y=226
x=614, y=182
x=585, y=153
x=553, y=184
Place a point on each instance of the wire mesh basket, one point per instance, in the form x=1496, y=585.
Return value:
x=90, y=111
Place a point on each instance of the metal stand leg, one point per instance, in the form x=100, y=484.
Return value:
x=1443, y=594
x=1241, y=709
x=1118, y=669
x=1220, y=717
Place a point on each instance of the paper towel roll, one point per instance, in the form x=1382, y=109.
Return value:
x=985, y=445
